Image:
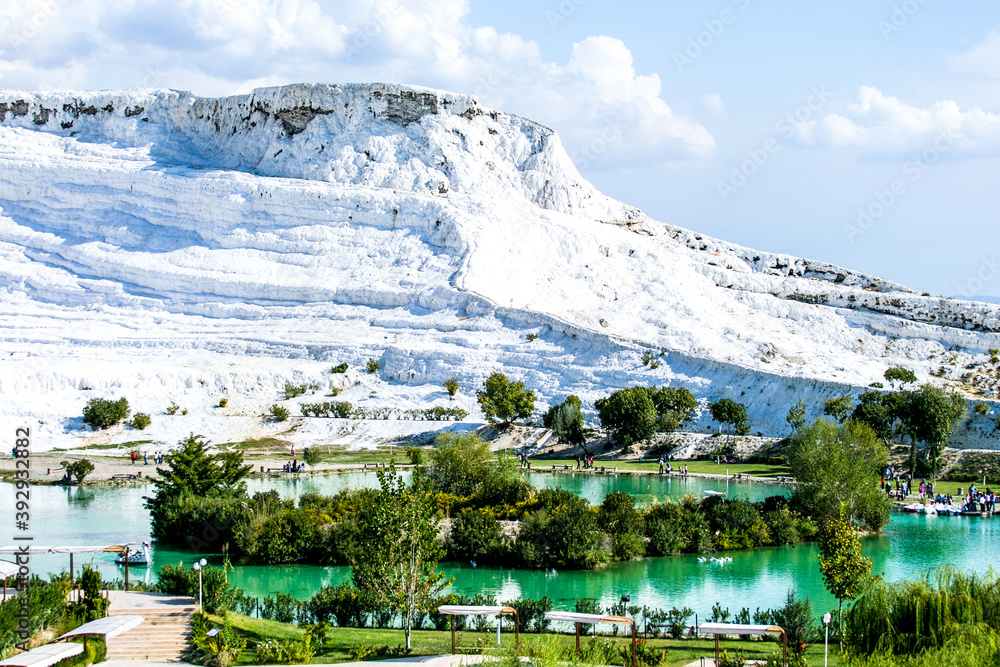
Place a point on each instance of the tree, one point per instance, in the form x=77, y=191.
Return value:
x=901, y=376
x=505, y=400
x=880, y=411
x=459, y=463
x=839, y=466
x=728, y=411
x=673, y=406
x=101, y=413
x=451, y=386
x=566, y=421
x=629, y=414
x=312, y=456
x=192, y=471
x=79, y=469
x=839, y=408
x=398, y=567
x=844, y=569
x=930, y=415
x=796, y=417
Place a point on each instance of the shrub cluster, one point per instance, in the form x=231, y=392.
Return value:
x=344, y=410
x=101, y=413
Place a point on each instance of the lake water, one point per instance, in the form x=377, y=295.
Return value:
x=910, y=545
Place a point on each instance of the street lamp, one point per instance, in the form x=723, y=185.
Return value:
x=197, y=568
x=983, y=473
x=826, y=642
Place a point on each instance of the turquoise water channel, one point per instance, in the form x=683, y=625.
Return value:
x=910, y=545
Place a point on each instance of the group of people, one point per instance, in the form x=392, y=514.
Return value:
x=666, y=468
x=295, y=466
x=980, y=500
x=157, y=458
x=586, y=461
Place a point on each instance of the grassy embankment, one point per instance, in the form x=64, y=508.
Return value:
x=433, y=642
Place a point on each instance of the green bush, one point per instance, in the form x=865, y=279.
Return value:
x=982, y=408
x=283, y=652
x=141, y=421
x=476, y=535
x=279, y=412
x=180, y=579
x=172, y=409
x=531, y=337
x=338, y=409
x=372, y=366
x=293, y=391
x=531, y=613
x=415, y=454
x=341, y=604
x=340, y=368
x=79, y=469
x=223, y=402
x=102, y=413
x=451, y=386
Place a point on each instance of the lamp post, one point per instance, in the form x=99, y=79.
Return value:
x=826, y=642
x=197, y=568
x=983, y=473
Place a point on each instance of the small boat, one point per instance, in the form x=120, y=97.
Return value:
x=917, y=508
x=138, y=557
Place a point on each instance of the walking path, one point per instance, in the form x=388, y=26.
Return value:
x=165, y=632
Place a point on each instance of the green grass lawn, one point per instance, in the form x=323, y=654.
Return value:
x=701, y=467
x=434, y=642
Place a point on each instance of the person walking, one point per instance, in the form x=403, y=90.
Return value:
x=145, y=459
x=133, y=458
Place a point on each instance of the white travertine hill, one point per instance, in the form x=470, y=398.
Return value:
x=167, y=247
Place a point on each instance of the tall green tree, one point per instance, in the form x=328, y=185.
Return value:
x=566, y=421
x=880, y=411
x=839, y=408
x=674, y=405
x=505, y=400
x=845, y=571
x=730, y=413
x=194, y=472
x=629, y=414
x=460, y=462
x=398, y=566
x=796, y=416
x=929, y=415
x=839, y=466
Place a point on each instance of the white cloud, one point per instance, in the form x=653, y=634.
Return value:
x=984, y=58
x=882, y=123
x=217, y=47
x=713, y=104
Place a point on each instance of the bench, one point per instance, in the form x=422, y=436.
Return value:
x=126, y=476
x=785, y=479
x=741, y=475
x=561, y=467
x=609, y=468
x=376, y=465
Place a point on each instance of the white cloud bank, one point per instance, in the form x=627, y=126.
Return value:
x=877, y=122
x=605, y=111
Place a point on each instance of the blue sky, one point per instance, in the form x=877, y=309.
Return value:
x=865, y=134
